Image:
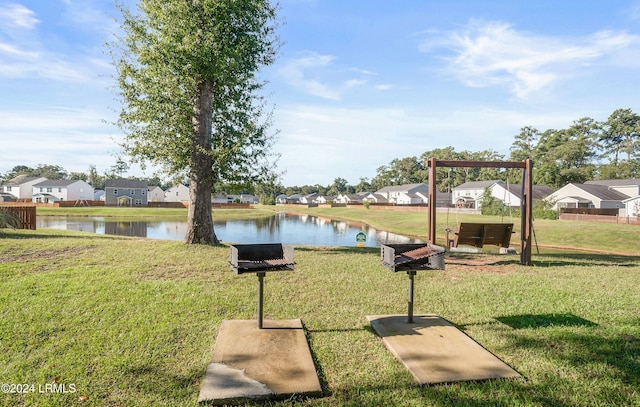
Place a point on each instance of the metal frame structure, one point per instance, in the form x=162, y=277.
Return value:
x=526, y=217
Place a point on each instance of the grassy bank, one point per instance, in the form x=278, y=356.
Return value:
x=548, y=233
x=133, y=321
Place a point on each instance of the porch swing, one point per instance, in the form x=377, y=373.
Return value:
x=477, y=235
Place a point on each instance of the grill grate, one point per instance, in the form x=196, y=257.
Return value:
x=418, y=256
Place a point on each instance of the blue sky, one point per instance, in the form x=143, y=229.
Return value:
x=357, y=83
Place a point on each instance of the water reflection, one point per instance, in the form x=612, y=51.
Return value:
x=281, y=228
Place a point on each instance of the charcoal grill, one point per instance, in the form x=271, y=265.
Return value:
x=411, y=258
x=260, y=259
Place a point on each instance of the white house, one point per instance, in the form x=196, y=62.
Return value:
x=325, y=199
x=376, y=198
x=349, y=198
x=221, y=198
x=20, y=187
x=281, y=199
x=55, y=190
x=178, y=193
x=309, y=199
x=587, y=196
x=405, y=194
x=511, y=194
x=155, y=194
x=469, y=194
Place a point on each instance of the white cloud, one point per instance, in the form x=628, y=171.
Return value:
x=16, y=16
x=321, y=143
x=495, y=54
x=309, y=73
x=73, y=139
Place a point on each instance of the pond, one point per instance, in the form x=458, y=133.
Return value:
x=281, y=228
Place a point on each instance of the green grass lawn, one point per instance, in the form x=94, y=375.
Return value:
x=130, y=321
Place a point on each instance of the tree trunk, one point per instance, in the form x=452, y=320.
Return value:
x=200, y=221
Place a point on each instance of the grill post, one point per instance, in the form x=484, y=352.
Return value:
x=411, y=258
x=411, y=274
x=260, y=298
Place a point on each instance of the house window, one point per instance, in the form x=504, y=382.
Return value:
x=59, y=189
x=132, y=191
x=115, y=191
x=138, y=202
x=143, y=192
x=49, y=189
x=9, y=189
x=41, y=189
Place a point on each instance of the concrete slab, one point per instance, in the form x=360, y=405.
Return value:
x=251, y=363
x=434, y=351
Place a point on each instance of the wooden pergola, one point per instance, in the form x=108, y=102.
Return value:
x=526, y=217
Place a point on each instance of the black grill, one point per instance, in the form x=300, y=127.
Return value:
x=256, y=258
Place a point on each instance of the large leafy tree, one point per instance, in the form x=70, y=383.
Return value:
x=187, y=73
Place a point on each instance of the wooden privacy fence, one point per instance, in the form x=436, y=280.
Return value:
x=26, y=215
x=629, y=220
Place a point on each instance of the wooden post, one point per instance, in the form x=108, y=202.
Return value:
x=527, y=215
x=432, y=200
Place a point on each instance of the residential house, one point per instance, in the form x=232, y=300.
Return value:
x=281, y=199
x=512, y=194
x=98, y=195
x=20, y=187
x=54, y=190
x=469, y=194
x=155, y=194
x=244, y=198
x=376, y=198
x=126, y=192
x=178, y=193
x=294, y=199
x=325, y=199
x=406, y=194
x=350, y=198
x=309, y=199
x=587, y=196
x=221, y=198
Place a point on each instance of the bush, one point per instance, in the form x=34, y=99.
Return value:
x=7, y=220
x=546, y=214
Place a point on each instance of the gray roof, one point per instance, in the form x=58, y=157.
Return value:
x=56, y=183
x=538, y=191
x=602, y=192
x=477, y=184
x=401, y=188
x=125, y=183
x=615, y=182
x=21, y=179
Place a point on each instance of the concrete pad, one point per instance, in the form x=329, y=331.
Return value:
x=435, y=351
x=251, y=363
